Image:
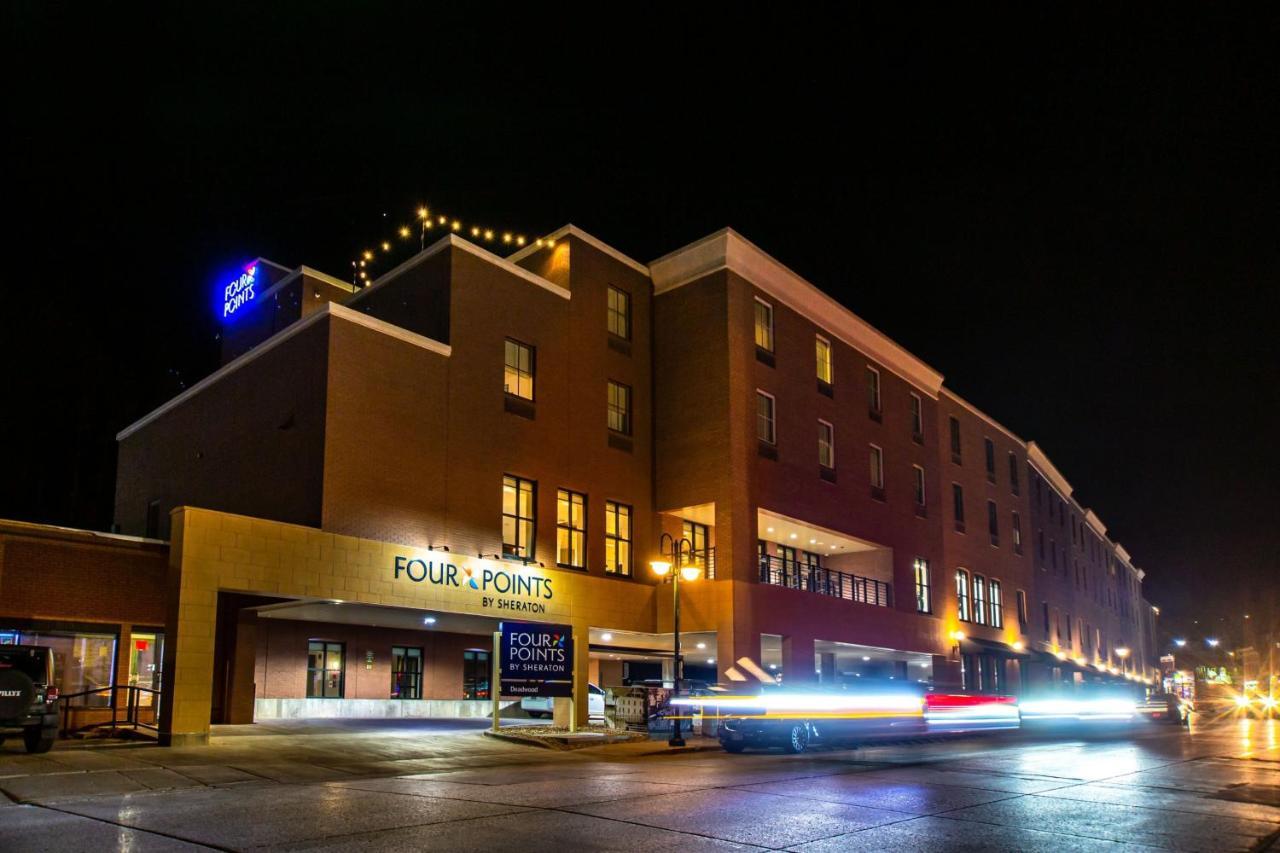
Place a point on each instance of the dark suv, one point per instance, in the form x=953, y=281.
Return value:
x=28, y=698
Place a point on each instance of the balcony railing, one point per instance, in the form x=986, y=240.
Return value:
x=796, y=575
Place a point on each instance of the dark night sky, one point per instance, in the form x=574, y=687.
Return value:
x=1072, y=214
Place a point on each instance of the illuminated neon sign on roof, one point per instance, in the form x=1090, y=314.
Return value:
x=240, y=291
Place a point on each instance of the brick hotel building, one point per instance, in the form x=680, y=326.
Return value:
x=537, y=422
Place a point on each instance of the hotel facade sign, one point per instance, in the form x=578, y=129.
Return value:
x=240, y=291
x=513, y=590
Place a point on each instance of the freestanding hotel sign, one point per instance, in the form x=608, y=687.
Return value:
x=536, y=659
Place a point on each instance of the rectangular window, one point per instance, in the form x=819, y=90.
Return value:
x=619, y=313
x=764, y=418
x=475, y=674
x=406, y=672
x=326, y=669
x=989, y=447
x=518, y=516
x=699, y=536
x=764, y=325
x=918, y=486
x=957, y=501
x=962, y=595
x=1014, y=485
x=153, y=520
x=955, y=440
x=877, y=467
x=997, y=604
x=873, y=390
x=571, y=529
x=617, y=538
x=924, y=598
x=824, y=360
x=619, y=407
x=1022, y=611
x=917, y=416
x=979, y=600
x=826, y=445
x=993, y=522
x=518, y=374
x=1017, y=533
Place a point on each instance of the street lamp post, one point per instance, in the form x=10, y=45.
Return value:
x=679, y=547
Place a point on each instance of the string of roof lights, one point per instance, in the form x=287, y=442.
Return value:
x=428, y=221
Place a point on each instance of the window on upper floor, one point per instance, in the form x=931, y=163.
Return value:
x=571, y=529
x=619, y=403
x=962, y=595
x=518, y=373
x=617, y=538
x=989, y=447
x=619, y=313
x=877, y=467
x=993, y=522
x=823, y=347
x=1014, y=485
x=996, y=604
x=826, y=444
x=917, y=473
x=518, y=516
x=1022, y=611
x=955, y=440
x=765, y=430
x=917, y=418
x=1017, y=533
x=924, y=597
x=873, y=391
x=957, y=505
x=764, y=326
x=979, y=599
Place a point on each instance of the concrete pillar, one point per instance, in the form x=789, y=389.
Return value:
x=190, y=621
x=797, y=660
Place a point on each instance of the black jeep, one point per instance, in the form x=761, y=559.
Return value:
x=28, y=697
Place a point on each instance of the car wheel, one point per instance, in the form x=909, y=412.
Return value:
x=38, y=739
x=797, y=739
x=735, y=748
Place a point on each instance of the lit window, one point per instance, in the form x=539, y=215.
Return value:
x=764, y=418
x=517, y=517
x=619, y=313
x=518, y=375
x=962, y=595
x=326, y=669
x=824, y=360
x=826, y=445
x=917, y=415
x=919, y=485
x=619, y=407
x=979, y=600
x=764, y=325
x=476, y=673
x=571, y=529
x=877, y=467
x=617, y=538
x=873, y=389
x=924, y=601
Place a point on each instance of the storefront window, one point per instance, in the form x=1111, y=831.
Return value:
x=475, y=674
x=326, y=666
x=82, y=661
x=406, y=672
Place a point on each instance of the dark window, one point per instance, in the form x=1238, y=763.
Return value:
x=873, y=389
x=957, y=502
x=917, y=416
x=475, y=674
x=962, y=595
x=1017, y=533
x=924, y=598
x=153, y=520
x=619, y=407
x=764, y=418
x=326, y=669
x=877, y=467
x=826, y=445
x=955, y=440
x=1022, y=611
x=699, y=536
x=406, y=672
x=571, y=529
x=990, y=449
x=517, y=378
x=919, y=485
x=1014, y=485
x=993, y=522
x=1045, y=605
x=518, y=516
x=619, y=313
x=617, y=538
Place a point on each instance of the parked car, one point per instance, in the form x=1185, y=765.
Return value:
x=543, y=706
x=28, y=696
x=1166, y=707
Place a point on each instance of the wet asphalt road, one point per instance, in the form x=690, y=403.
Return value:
x=442, y=786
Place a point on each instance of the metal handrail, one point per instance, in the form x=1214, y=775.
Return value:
x=133, y=694
x=794, y=574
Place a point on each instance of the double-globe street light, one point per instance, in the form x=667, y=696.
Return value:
x=678, y=548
